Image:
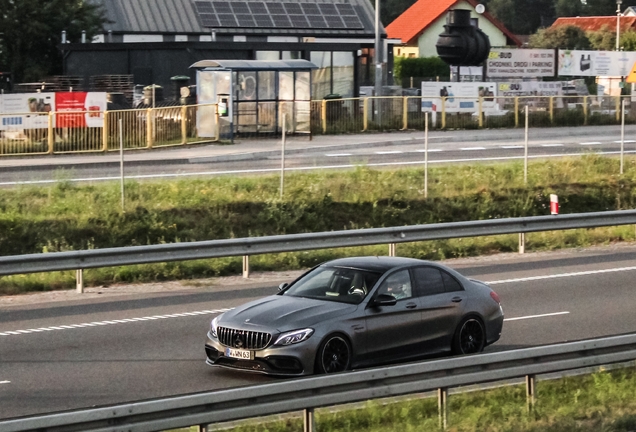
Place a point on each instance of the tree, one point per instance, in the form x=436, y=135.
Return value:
x=604, y=39
x=391, y=9
x=523, y=16
x=564, y=37
x=568, y=8
x=420, y=67
x=31, y=31
x=628, y=40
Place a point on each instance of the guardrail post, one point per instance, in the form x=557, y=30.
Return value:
x=309, y=420
x=444, y=112
x=203, y=428
x=584, y=110
x=531, y=388
x=149, y=129
x=365, y=114
x=516, y=111
x=79, y=281
x=405, y=112
x=522, y=243
x=105, y=132
x=442, y=407
x=551, y=109
x=323, y=115
x=246, y=266
x=481, y=111
x=392, y=249
x=51, y=134
x=184, y=129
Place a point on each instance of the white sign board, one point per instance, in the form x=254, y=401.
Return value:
x=530, y=88
x=520, y=63
x=595, y=63
x=25, y=110
x=460, y=96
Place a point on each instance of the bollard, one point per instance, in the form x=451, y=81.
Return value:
x=246, y=266
x=554, y=204
x=79, y=281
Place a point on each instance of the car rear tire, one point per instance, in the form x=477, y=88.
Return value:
x=470, y=337
x=334, y=355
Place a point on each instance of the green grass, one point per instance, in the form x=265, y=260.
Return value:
x=599, y=402
x=68, y=216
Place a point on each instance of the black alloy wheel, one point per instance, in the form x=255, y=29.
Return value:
x=334, y=355
x=470, y=337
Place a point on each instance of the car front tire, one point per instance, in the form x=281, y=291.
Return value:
x=334, y=355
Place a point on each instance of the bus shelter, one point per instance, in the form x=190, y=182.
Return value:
x=253, y=96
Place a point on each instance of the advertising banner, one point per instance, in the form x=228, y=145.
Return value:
x=520, y=63
x=84, y=109
x=530, y=88
x=595, y=63
x=460, y=96
x=26, y=110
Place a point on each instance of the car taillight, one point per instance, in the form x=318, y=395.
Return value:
x=495, y=297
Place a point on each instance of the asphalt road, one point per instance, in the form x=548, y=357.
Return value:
x=391, y=151
x=89, y=352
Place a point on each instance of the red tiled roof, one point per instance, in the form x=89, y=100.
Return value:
x=412, y=23
x=597, y=22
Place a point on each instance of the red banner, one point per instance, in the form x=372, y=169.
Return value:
x=80, y=109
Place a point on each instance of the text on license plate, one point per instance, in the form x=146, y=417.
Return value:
x=239, y=354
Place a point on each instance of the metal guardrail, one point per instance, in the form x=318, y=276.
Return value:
x=96, y=258
x=282, y=397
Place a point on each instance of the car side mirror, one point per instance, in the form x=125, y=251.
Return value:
x=384, y=300
x=282, y=286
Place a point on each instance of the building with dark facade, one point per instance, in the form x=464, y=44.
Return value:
x=154, y=40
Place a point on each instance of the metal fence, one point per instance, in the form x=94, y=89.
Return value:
x=177, y=125
x=226, y=405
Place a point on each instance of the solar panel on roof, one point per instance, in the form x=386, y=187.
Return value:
x=267, y=14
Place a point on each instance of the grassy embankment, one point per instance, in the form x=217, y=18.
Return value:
x=600, y=402
x=67, y=216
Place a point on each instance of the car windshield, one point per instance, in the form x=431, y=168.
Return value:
x=345, y=285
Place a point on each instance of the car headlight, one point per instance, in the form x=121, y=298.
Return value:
x=213, y=325
x=294, y=337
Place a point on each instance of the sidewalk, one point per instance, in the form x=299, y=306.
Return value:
x=260, y=148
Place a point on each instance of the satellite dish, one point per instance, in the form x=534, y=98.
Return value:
x=480, y=8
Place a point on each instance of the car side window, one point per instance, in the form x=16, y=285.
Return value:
x=428, y=281
x=398, y=285
x=450, y=283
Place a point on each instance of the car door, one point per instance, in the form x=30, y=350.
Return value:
x=393, y=331
x=442, y=303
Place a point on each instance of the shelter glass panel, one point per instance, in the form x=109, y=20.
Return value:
x=247, y=85
x=321, y=77
x=286, y=85
x=266, y=85
x=303, y=89
x=343, y=72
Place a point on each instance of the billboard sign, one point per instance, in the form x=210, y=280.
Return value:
x=25, y=110
x=520, y=63
x=460, y=96
x=80, y=109
x=595, y=63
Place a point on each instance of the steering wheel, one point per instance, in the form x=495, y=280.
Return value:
x=357, y=291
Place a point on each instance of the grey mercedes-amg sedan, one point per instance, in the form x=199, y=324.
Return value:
x=357, y=312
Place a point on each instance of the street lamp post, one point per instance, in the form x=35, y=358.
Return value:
x=378, y=49
x=618, y=22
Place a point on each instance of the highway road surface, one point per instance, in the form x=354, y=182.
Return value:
x=90, y=351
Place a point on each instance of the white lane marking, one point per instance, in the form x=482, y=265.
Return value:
x=389, y=152
x=338, y=154
x=429, y=150
x=101, y=323
x=536, y=316
x=552, y=145
x=625, y=141
x=591, y=143
x=512, y=147
x=5, y=382
x=562, y=275
x=472, y=148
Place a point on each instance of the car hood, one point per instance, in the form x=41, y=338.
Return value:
x=283, y=313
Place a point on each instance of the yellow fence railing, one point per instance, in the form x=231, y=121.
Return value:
x=82, y=132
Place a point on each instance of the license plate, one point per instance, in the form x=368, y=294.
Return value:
x=239, y=354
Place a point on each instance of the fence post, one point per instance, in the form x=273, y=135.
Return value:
x=617, y=108
x=79, y=281
x=218, y=125
x=246, y=266
x=405, y=112
x=323, y=116
x=480, y=104
x=309, y=420
x=50, y=141
x=184, y=129
x=442, y=407
x=516, y=111
x=531, y=388
x=105, y=132
x=522, y=243
x=392, y=249
x=444, y=112
x=365, y=114
x=551, y=109
x=584, y=110
x=149, y=129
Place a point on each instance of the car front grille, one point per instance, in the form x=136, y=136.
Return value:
x=243, y=339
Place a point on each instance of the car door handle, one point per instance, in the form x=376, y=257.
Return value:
x=411, y=305
x=456, y=299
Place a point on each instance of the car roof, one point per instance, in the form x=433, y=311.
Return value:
x=373, y=263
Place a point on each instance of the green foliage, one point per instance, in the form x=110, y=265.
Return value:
x=628, y=40
x=31, y=30
x=420, y=67
x=563, y=37
x=522, y=16
x=604, y=39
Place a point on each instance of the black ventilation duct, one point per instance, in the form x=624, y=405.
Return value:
x=462, y=44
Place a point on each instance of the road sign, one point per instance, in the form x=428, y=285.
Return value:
x=631, y=78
